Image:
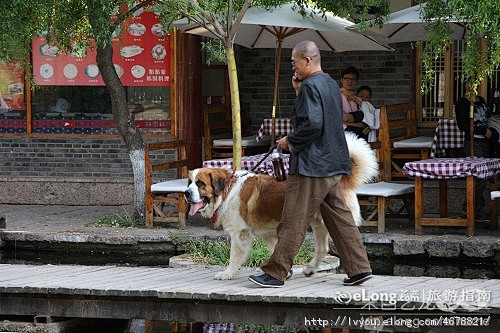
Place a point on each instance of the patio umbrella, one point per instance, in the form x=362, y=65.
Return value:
x=407, y=26
x=282, y=27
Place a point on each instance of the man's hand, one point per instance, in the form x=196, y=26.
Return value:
x=351, y=96
x=283, y=143
x=348, y=118
x=296, y=83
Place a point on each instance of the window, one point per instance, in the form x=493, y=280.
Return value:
x=439, y=102
x=71, y=97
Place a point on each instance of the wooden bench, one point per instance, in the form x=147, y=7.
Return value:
x=217, y=126
x=159, y=193
x=376, y=197
x=399, y=140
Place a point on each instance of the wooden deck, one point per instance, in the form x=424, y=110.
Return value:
x=191, y=294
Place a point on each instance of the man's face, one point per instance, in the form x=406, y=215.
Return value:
x=299, y=65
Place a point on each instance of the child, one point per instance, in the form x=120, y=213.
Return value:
x=371, y=115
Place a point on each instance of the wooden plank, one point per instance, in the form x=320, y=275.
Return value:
x=471, y=211
x=198, y=284
x=443, y=222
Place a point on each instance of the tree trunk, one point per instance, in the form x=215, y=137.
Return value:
x=124, y=122
x=235, y=107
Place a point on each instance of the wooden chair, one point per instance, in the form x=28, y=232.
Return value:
x=160, y=193
x=494, y=196
x=62, y=106
x=399, y=140
x=378, y=195
x=217, y=127
x=376, y=198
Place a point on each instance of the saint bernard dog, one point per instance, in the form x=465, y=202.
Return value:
x=249, y=205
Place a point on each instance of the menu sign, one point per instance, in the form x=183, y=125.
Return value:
x=141, y=56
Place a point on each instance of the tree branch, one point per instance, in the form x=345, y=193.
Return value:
x=237, y=21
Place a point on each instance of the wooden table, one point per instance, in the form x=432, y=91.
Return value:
x=283, y=126
x=446, y=136
x=248, y=163
x=443, y=169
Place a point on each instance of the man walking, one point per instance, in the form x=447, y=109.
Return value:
x=319, y=158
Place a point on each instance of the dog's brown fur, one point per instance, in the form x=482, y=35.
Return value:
x=247, y=205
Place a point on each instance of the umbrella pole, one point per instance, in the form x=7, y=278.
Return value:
x=276, y=82
x=471, y=130
x=471, y=123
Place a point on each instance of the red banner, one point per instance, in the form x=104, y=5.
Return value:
x=141, y=57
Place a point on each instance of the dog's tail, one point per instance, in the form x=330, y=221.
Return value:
x=364, y=164
x=364, y=168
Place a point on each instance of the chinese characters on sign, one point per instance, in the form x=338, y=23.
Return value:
x=141, y=56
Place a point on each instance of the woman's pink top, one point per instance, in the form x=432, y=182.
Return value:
x=348, y=106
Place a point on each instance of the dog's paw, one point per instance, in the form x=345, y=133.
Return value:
x=309, y=270
x=225, y=275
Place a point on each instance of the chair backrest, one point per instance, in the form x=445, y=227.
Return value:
x=375, y=146
x=216, y=125
x=179, y=163
x=217, y=121
x=62, y=105
x=397, y=122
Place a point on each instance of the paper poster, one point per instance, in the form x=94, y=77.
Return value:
x=11, y=86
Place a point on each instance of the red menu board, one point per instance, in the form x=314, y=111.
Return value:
x=141, y=55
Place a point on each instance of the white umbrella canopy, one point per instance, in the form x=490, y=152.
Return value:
x=261, y=28
x=407, y=26
x=282, y=27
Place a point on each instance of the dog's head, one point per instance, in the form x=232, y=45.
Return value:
x=205, y=186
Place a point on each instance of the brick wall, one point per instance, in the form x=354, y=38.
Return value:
x=72, y=171
x=389, y=74
x=64, y=157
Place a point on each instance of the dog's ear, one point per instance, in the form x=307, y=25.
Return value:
x=218, y=183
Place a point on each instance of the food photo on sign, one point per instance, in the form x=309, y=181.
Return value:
x=140, y=57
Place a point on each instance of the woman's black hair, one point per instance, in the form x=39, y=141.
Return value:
x=350, y=70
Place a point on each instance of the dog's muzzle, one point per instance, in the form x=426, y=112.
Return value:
x=191, y=196
x=197, y=203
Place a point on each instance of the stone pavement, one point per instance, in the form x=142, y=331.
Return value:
x=67, y=224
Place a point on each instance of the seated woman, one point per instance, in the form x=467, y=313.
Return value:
x=351, y=104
